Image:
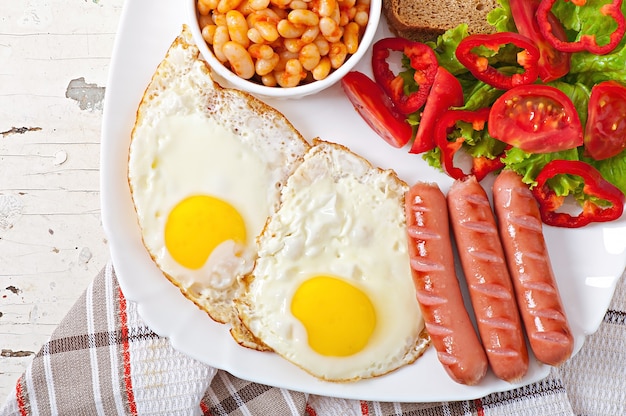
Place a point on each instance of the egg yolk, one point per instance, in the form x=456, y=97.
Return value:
x=339, y=318
x=197, y=225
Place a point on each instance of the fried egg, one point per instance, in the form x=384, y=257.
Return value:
x=332, y=290
x=206, y=166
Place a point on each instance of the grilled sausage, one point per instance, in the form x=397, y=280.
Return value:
x=538, y=298
x=438, y=292
x=488, y=280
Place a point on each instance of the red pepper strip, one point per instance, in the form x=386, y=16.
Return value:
x=586, y=42
x=480, y=167
x=422, y=59
x=595, y=185
x=553, y=64
x=479, y=65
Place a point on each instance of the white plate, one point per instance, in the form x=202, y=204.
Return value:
x=588, y=262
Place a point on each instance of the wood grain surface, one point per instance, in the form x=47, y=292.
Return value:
x=54, y=61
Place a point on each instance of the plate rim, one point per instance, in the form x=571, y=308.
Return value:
x=125, y=271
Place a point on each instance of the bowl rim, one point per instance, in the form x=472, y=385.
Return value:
x=279, y=92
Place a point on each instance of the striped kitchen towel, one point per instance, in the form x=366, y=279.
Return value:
x=104, y=360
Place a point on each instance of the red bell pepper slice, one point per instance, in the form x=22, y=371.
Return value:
x=595, y=185
x=553, y=64
x=480, y=166
x=479, y=66
x=586, y=42
x=423, y=60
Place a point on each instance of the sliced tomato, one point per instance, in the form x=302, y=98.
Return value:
x=553, y=64
x=536, y=118
x=445, y=92
x=605, y=132
x=371, y=102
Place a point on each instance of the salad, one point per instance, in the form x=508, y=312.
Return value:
x=544, y=96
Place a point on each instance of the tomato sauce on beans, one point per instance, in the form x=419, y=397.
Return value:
x=283, y=43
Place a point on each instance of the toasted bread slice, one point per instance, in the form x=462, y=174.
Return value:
x=423, y=20
x=182, y=86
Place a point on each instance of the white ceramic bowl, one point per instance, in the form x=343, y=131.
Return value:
x=229, y=79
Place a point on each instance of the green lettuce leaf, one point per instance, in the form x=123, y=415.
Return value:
x=528, y=165
x=501, y=18
x=445, y=47
x=578, y=93
x=612, y=169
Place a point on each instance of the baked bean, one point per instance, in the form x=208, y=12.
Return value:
x=322, y=44
x=284, y=56
x=237, y=28
x=298, y=5
x=219, y=39
x=255, y=36
x=322, y=69
x=362, y=15
x=336, y=16
x=269, y=80
x=288, y=30
x=344, y=19
x=309, y=56
x=244, y=8
x=208, y=32
x=266, y=66
x=265, y=15
x=280, y=3
x=261, y=51
x=267, y=30
x=293, y=45
x=223, y=6
x=239, y=59
x=203, y=9
x=337, y=54
x=219, y=19
x=292, y=75
x=259, y=4
x=346, y=4
x=351, y=37
x=330, y=29
x=327, y=7
x=303, y=17
x=310, y=34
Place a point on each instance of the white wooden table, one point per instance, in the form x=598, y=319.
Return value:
x=54, y=61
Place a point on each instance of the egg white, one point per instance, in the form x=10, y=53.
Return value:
x=339, y=217
x=192, y=137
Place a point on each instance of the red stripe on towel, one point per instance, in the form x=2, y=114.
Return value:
x=19, y=396
x=309, y=410
x=128, y=384
x=479, y=407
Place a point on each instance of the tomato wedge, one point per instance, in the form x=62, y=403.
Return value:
x=446, y=92
x=605, y=132
x=553, y=64
x=536, y=118
x=374, y=106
